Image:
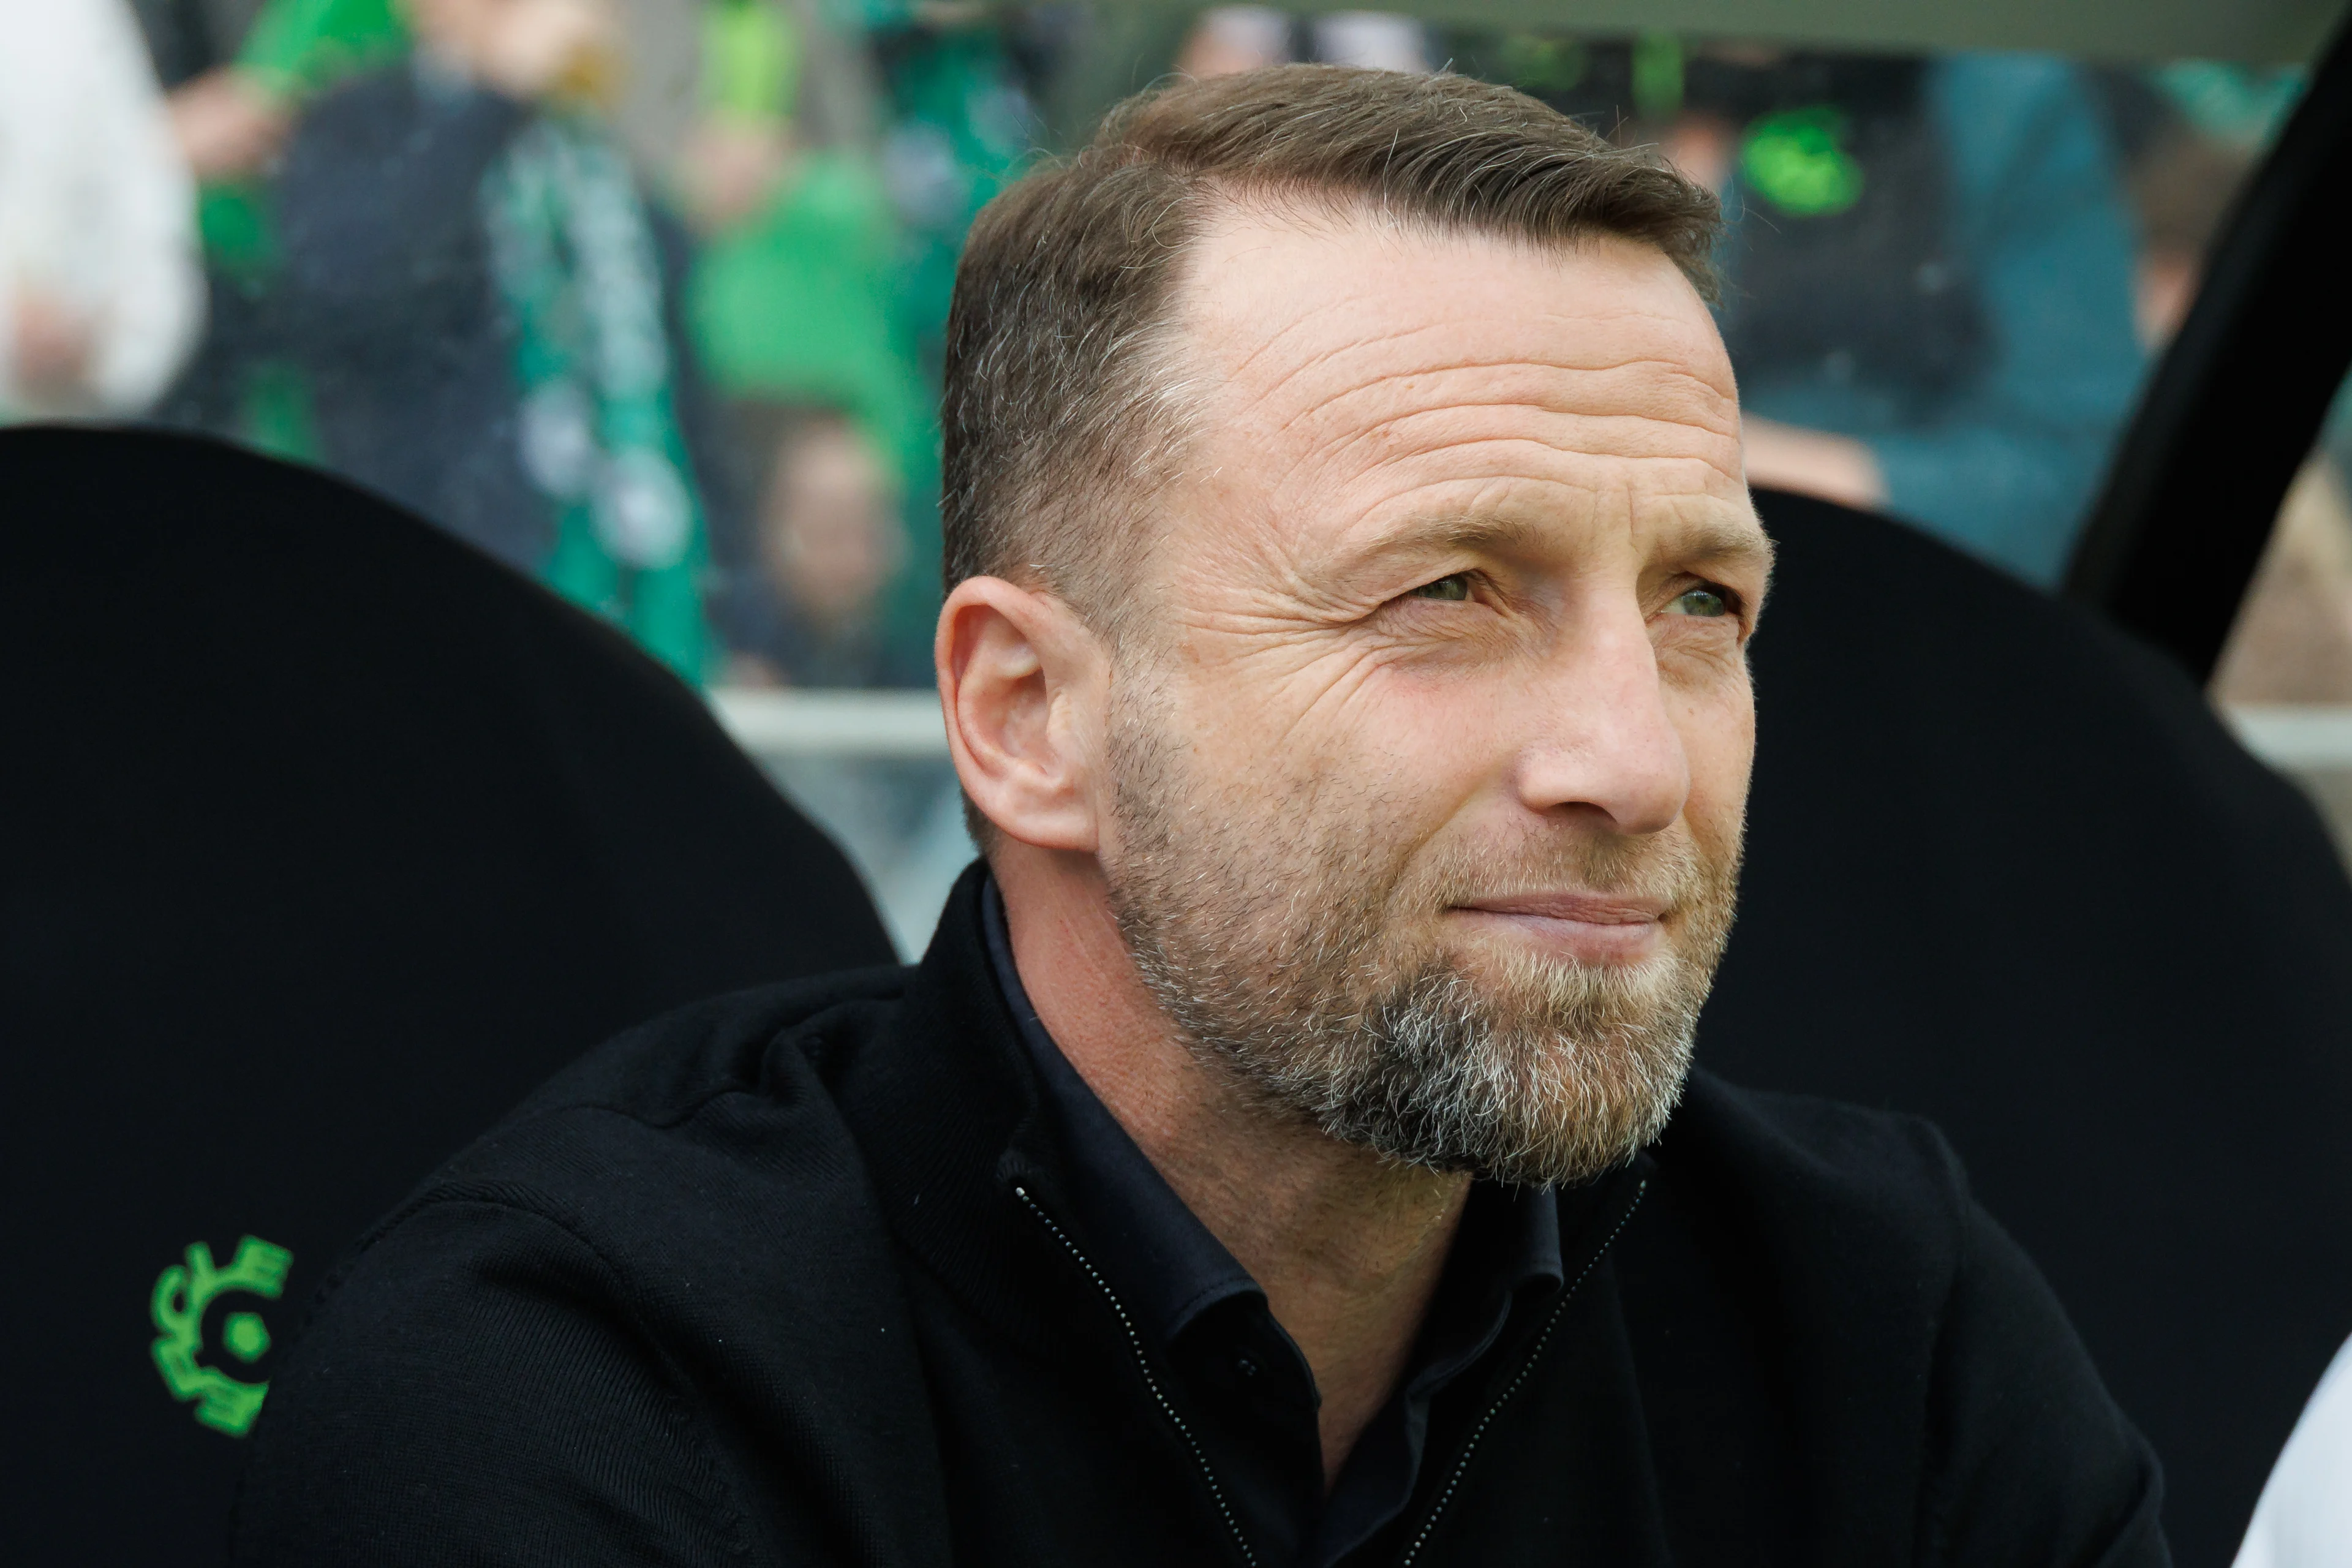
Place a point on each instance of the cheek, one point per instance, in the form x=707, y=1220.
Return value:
x=1387, y=748
x=1717, y=725
x=1272, y=704
x=1423, y=756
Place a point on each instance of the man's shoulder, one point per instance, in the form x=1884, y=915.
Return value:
x=742, y=1042
x=703, y=1145
x=700, y=1101
x=1864, y=1192
x=1918, y=1343
x=1885, y=1156
x=678, y=1223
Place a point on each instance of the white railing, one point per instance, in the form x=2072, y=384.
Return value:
x=906, y=724
x=2298, y=739
x=893, y=724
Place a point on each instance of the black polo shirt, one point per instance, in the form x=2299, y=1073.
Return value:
x=1248, y=1391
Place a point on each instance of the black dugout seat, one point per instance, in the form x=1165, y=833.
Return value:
x=2007, y=870
x=324, y=840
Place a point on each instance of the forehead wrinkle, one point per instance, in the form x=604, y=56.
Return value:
x=1614, y=437
x=1615, y=392
x=1605, y=370
x=1310, y=472
x=1596, y=403
x=1234, y=371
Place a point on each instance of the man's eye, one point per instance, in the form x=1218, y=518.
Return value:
x=1707, y=602
x=1453, y=589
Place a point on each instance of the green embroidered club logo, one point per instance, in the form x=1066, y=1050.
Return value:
x=1797, y=161
x=183, y=1291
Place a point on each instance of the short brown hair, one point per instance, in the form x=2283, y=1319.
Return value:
x=1058, y=386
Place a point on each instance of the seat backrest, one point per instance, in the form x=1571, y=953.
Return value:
x=2008, y=870
x=325, y=839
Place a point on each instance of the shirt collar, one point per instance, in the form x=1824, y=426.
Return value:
x=1172, y=1269
x=1167, y=1265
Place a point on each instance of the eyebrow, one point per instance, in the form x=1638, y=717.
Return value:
x=1718, y=539
x=1478, y=535
x=1704, y=541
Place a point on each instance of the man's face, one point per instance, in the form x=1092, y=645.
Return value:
x=1430, y=753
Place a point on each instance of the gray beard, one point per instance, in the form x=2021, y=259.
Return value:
x=1273, y=959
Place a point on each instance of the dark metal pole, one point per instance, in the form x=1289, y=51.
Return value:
x=2235, y=406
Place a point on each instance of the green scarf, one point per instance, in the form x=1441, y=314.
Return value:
x=572, y=252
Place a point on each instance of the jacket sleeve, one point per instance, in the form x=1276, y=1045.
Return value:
x=2030, y=1460
x=474, y=1391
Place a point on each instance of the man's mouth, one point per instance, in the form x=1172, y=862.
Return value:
x=1592, y=928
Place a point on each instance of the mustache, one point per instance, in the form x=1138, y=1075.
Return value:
x=1670, y=870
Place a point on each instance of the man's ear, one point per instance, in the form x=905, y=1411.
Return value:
x=1022, y=683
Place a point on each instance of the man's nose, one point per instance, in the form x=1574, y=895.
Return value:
x=1600, y=736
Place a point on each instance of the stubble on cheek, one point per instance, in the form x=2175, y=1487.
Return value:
x=1264, y=876
x=1295, y=934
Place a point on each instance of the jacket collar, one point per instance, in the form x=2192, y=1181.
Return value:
x=960, y=1144
x=948, y=1112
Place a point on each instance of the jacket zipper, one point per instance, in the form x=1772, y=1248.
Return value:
x=1470, y=1448
x=1143, y=1366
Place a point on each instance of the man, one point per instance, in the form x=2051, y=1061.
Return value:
x=483, y=304
x=1284, y=1153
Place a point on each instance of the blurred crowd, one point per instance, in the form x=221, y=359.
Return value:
x=646, y=297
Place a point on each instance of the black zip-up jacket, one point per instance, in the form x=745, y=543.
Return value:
x=793, y=1278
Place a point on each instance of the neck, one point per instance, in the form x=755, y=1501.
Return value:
x=1347, y=1245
